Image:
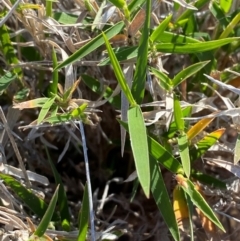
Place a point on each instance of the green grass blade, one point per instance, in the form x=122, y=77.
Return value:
x=188, y=72
x=138, y=136
x=84, y=216
x=118, y=72
x=228, y=30
x=193, y=47
x=139, y=80
x=203, y=145
x=118, y=3
x=184, y=153
x=39, y=207
x=45, y=109
x=92, y=45
x=226, y=5
x=8, y=50
x=156, y=34
x=43, y=225
x=122, y=54
x=162, y=199
x=135, y=5
x=49, y=8
x=62, y=197
x=200, y=202
x=186, y=14
x=168, y=37
x=54, y=85
x=159, y=153
x=208, y=180
x=5, y=80
x=164, y=81
x=178, y=115
x=237, y=150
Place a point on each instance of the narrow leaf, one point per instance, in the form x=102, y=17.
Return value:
x=45, y=109
x=139, y=80
x=226, y=5
x=203, y=145
x=156, y=34
x=193, y=47
x=178, y=116
x=118, y=72
x=84, y=216
x=200, y=202
x=164, y=81
x=43, y=225
x=162, y=199
x=27, y=196
x=188, y=72
x=138, y=136
x=237, y=150
x=184, y=153
x=62, y=197
x=6, y=80
x=159, y=153
x=92, y=45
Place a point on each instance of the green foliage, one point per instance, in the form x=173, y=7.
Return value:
x=165, y=95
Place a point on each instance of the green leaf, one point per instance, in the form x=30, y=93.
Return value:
x=92, y=45
x=139, y=144
x=49, y=8
x=8, y=50
x=219, y=14
x=208, y=180
x=172, y=131
x=237, y=150
x=193, y=47
x=165, y=82
x=159, y=153
x=22, y=94
x=118, y=72
x=135, y=5
x=229, y=29
x=43, y=225
x=83, y=216
x=184, y=153
x=60, y=118
x=45, y=109
x=203, y=145
x=54, y=85
x=162, y=199
x=39, y=207
x=6, y=80
x=139, y=80
x=156, y=34
x=187, y=72
x=200, y=202
x=122, y=54
x=169, y=37
x=62, y=197
x=186, y=14
x=118, y=3
x=226, y=5
x=178, y=116
x=65, y=18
